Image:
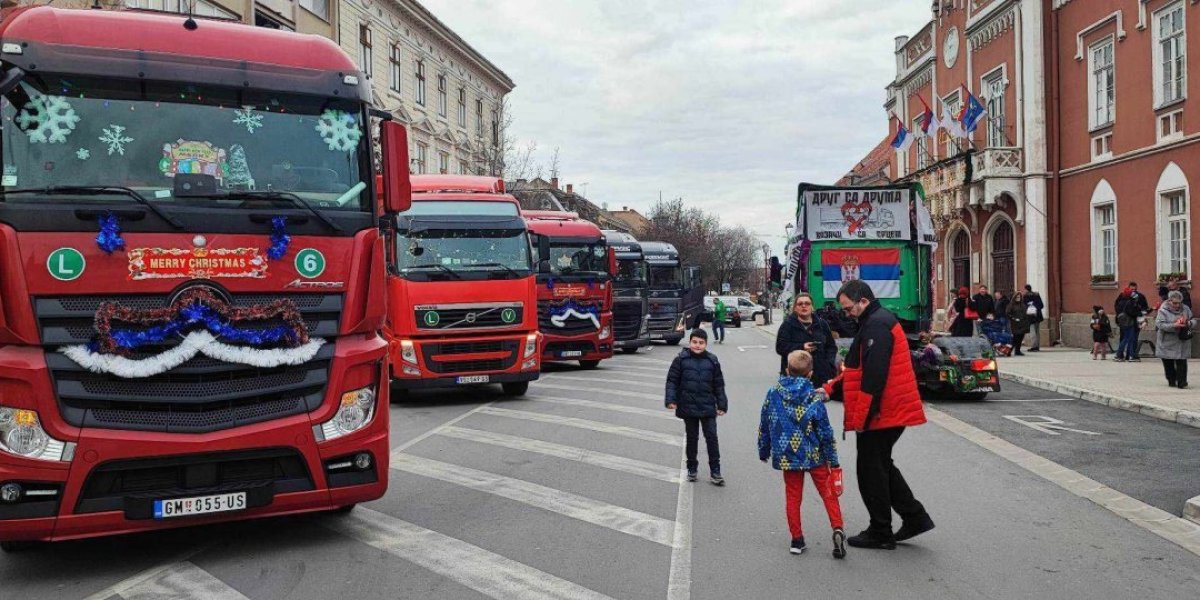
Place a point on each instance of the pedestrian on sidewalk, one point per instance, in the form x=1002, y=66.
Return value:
x=804, y=330
x=1033, y=308
x=962, y=322
x=1101, y=331
x=1001, y=307
x=718, y=323
x=696, y=392
x=1174, y=327
x=879, y=390
x=1019, y=321
x=985, y=307
x=1173, y=286
x=1131, y=309
x=795, y=434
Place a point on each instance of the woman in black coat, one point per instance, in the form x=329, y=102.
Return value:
x=961, y=326
x=804, y=330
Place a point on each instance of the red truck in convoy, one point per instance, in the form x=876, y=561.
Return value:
x=462, y=303
x=192, y=278
x=575, y=299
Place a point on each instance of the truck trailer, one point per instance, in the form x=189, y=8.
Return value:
x=191, y=275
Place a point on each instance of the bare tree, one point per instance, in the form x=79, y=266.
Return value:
x=554, y=164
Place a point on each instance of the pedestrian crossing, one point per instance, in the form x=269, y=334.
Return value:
x=620, y=402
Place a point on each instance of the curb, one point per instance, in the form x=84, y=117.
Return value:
x=1191, y=510
x=1183, y=417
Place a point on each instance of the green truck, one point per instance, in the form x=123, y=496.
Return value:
x=883, y=235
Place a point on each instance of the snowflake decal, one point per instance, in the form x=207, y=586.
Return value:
x=83, y=154
x=246, y=117
x=47, y=119
x=339, y=130
x=116, y=139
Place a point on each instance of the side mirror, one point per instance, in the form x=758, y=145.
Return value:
x=397, y=188
x=543, y=247
x=544, y=267
x=612, y=263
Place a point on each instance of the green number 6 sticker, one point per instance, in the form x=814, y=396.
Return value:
x=310, y=263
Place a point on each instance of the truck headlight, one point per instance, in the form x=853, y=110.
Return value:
x=530, y=344
x=605, y=332
x=679, y=324
x=645, y=325
x=356, y=411
x=21, y=434
x=407, y=352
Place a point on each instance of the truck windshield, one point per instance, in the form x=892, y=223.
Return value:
x=666, y=277
x=578, y=257
x=631, y=273
x=69, y=131
x=463, y=253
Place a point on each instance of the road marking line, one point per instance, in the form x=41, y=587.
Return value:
x=1174, y=529
x=182, y=580
x=629, y=432
x=656, y=375
x=435, y=430
x=583, y=455
x=119, y=588
x=575, y=388
x=679, y=583
x=485, y=572
x=644, y=384
x=603, y=514
x=660, y=372
x=633, y=410
x=994, y=399
x=745, y=348
x=644, y=361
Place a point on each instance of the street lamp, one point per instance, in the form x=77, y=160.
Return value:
x=766, y=248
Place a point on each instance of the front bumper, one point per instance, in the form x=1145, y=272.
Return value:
x=83, y=509
x=449, y=382
x=639, y=342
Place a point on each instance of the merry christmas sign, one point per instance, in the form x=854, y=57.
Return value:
x=196, y=263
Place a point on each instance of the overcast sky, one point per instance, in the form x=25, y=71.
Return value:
x=726, y=104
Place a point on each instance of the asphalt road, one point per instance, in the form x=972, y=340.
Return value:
x=574, y=492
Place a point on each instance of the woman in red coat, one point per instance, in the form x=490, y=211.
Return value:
x=879, y=389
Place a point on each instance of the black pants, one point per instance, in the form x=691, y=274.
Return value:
x=882, y=486
x=693, y=425
x=1176, y=371
x=1017, y=341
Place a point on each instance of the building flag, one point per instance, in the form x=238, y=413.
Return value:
x=929, y=122
x=903, y=138
x=950, y=121
x=878, y=267
x=972, y=112
x=926, y=234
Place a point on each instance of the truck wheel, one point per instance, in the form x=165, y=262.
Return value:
x=17, y=546
x=674, y=341
x=589, y=364
x=398, y=395
x=515, y=388
x=630, y=350
x=343, y=510
x=976, y=396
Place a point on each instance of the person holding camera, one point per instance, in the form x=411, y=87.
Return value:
x=804, y=330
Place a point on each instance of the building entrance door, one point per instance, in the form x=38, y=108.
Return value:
x=960, y=258
x=1003, y=267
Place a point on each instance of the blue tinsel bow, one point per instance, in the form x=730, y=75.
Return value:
x=109, y=239
x=279, y=238
x=568, y=305
x=203, y=316
x=549, y=283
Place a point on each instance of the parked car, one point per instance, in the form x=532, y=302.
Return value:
x=740, y=308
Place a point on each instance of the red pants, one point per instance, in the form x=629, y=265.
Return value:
x=794, y=486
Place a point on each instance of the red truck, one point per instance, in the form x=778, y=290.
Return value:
x=462, y=303
x=575, y=299
x=192, y=278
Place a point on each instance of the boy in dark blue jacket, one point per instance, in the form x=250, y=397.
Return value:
x=696, y=392
x=794, y=429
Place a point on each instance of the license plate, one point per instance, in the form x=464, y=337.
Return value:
x=656, y=336
x=474, y=379
x=569, y=353
x=199, y=505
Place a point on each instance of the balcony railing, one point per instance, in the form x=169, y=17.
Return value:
x=996, y=162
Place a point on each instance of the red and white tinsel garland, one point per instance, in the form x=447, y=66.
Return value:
x=196, y=342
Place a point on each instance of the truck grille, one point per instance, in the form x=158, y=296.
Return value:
x=201, y=395
x=444, y=366
x=478, y=316
x=570, y=327
x=627, y=320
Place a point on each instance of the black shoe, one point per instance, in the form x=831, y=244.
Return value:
x=1036, y=349
x=1182, y=385
x=716, y=477
x=913, y=528
x=875, y=541
x=798, y=546
x=839, y=543
x=1018, y=353
x=691, y=475
x=1171, y=384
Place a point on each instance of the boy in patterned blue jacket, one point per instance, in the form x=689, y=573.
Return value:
x=794, y=429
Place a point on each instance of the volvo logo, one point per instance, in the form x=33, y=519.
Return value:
x=470, y=318
x=214, y=289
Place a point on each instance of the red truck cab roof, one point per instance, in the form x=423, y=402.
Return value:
x=556, y=224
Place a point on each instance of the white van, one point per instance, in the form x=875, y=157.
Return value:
x=739, y=308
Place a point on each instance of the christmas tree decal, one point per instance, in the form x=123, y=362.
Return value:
x=239, y=171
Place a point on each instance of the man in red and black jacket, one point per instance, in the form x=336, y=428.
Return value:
x=880, y=393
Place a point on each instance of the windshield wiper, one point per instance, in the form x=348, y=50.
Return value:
x=437, y=266
x=494, y=264
x=63, y=190
x=274, y=195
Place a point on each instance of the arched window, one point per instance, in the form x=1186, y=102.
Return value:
x=1173, y=227
x=1003, y=258
x=960, y=260
x=1104, y=231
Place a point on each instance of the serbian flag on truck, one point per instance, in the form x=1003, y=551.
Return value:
x=879, y=267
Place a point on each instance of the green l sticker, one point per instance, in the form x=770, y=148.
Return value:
x=65, y=264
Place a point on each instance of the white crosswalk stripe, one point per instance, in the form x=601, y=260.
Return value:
x=582, y=455
x=642, y=384
x=613, y=517
x=575, y=388
x=662, y=371
x=633, y=410
x=485, y=572
x=630, y=432
x=181, y=581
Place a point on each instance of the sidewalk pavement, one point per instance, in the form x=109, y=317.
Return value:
x=1139, y=387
